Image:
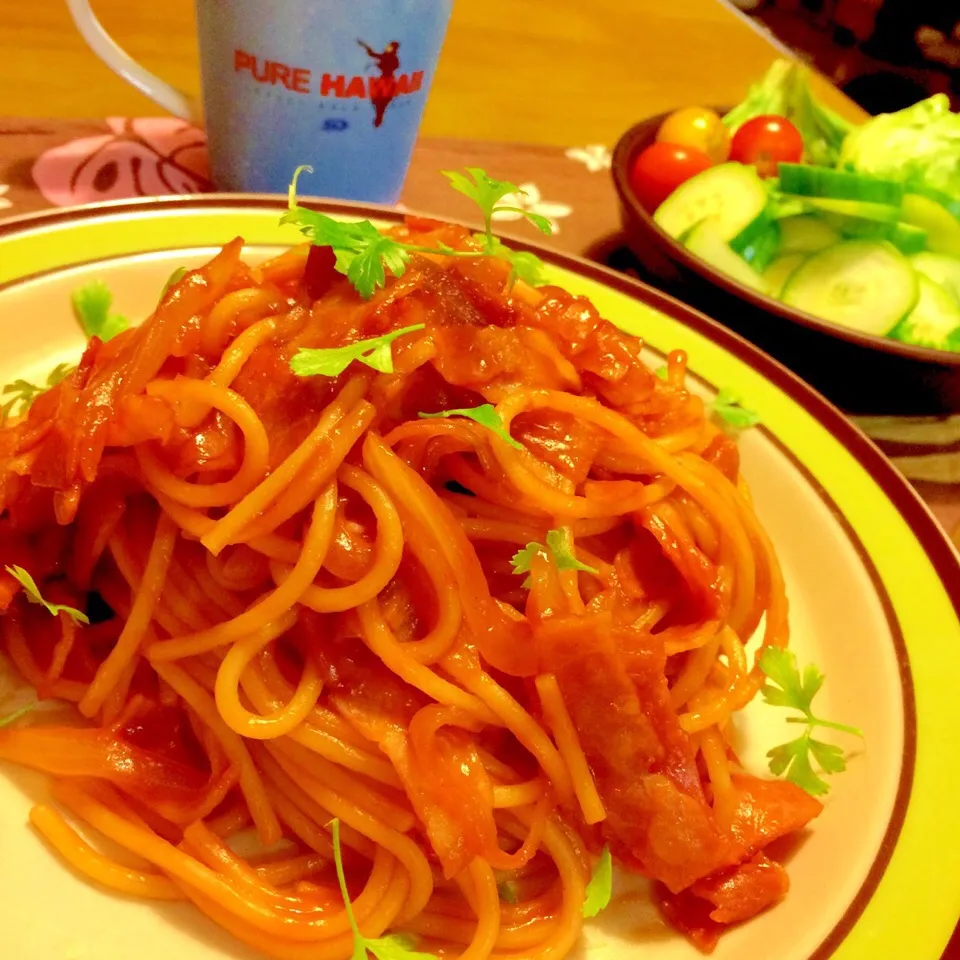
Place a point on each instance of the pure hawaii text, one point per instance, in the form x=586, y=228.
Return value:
x=301, y=80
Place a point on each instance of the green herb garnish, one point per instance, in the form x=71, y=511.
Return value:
x=558, y=547
x=486, y=415
x=173, y=279
x=377, y=352
x=524, y=266
x=507, y=890
x=33, y=594
x=396, y=946
x=796, y=691
x=91, y=304
x=487, y=193
x=728, y=407
x=17, y=714
x=24, y=393
x=364, y=255
x=600, y=888
x=661, y=372
x=60, y=372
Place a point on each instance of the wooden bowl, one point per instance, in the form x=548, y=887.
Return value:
x=860, y=372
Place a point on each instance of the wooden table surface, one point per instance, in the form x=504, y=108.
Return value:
x=563, y=72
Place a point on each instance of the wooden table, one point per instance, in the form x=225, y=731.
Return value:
x=562, y=72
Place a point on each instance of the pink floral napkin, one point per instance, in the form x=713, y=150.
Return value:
x=58, y=163
x=149, y=156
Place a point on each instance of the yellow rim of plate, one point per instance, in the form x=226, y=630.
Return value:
x=922, y=878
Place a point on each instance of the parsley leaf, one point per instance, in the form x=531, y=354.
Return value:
x=33, y=594
x=487, y=193
x=59, y=373
x=541, y=222
x=332, y=361
x=24, y=392
x=364, y=255
x=563, y=554
x=523, y=558
x=486, y=415
x=661, y=372
x=482, y=189
x=829, y=756
x=507, y=890
x=173, y=279
x=600, y=888
x=524, y=266
x=395, y=946
x=728, y=407
x=360, y=249
x=366, y=268
x=793, y=759
x=794, y=690
x=91, y=304
x=558, y=547
x=17, y=714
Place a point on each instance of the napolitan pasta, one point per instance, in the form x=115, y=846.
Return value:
x=489, y=644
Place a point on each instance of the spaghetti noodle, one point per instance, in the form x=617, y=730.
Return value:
x=304, y=608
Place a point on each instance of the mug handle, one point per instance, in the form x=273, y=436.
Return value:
x=110, y=52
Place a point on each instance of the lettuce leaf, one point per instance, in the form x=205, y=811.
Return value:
x=918, y=146
x=784, y=91
x=767, y=96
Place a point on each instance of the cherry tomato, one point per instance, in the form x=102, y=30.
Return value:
x=697, y=127
x=661, y=168
x=765, y=142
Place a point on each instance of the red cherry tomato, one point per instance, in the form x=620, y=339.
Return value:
x=661, y=168
x=765, y=142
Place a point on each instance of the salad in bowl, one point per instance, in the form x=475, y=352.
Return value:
x=858, y=225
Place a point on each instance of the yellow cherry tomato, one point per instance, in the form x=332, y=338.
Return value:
x=697, y=127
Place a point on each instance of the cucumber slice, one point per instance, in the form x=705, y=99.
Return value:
x=731, y=194
x=806, y=235
x=758, y=249
x=861, y=284
x=904, y=236
x=808, y=181
x=940, y=269
x=686, y=233
x=775, y=277
x=950, y=204
x=783, y=207
x=943, y=230
x=756, y=228
x=907, y=238
x=851, y=218
x=857, y=228
x=933, y=322
x=706, y=240
x=855, y=209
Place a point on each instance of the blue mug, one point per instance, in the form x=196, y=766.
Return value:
x=336, y=84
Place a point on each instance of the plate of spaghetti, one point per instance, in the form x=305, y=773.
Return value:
x=402, y=593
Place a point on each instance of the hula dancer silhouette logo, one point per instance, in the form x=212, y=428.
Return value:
x=383, y=89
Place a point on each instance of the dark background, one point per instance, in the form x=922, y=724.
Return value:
x=885, y=54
